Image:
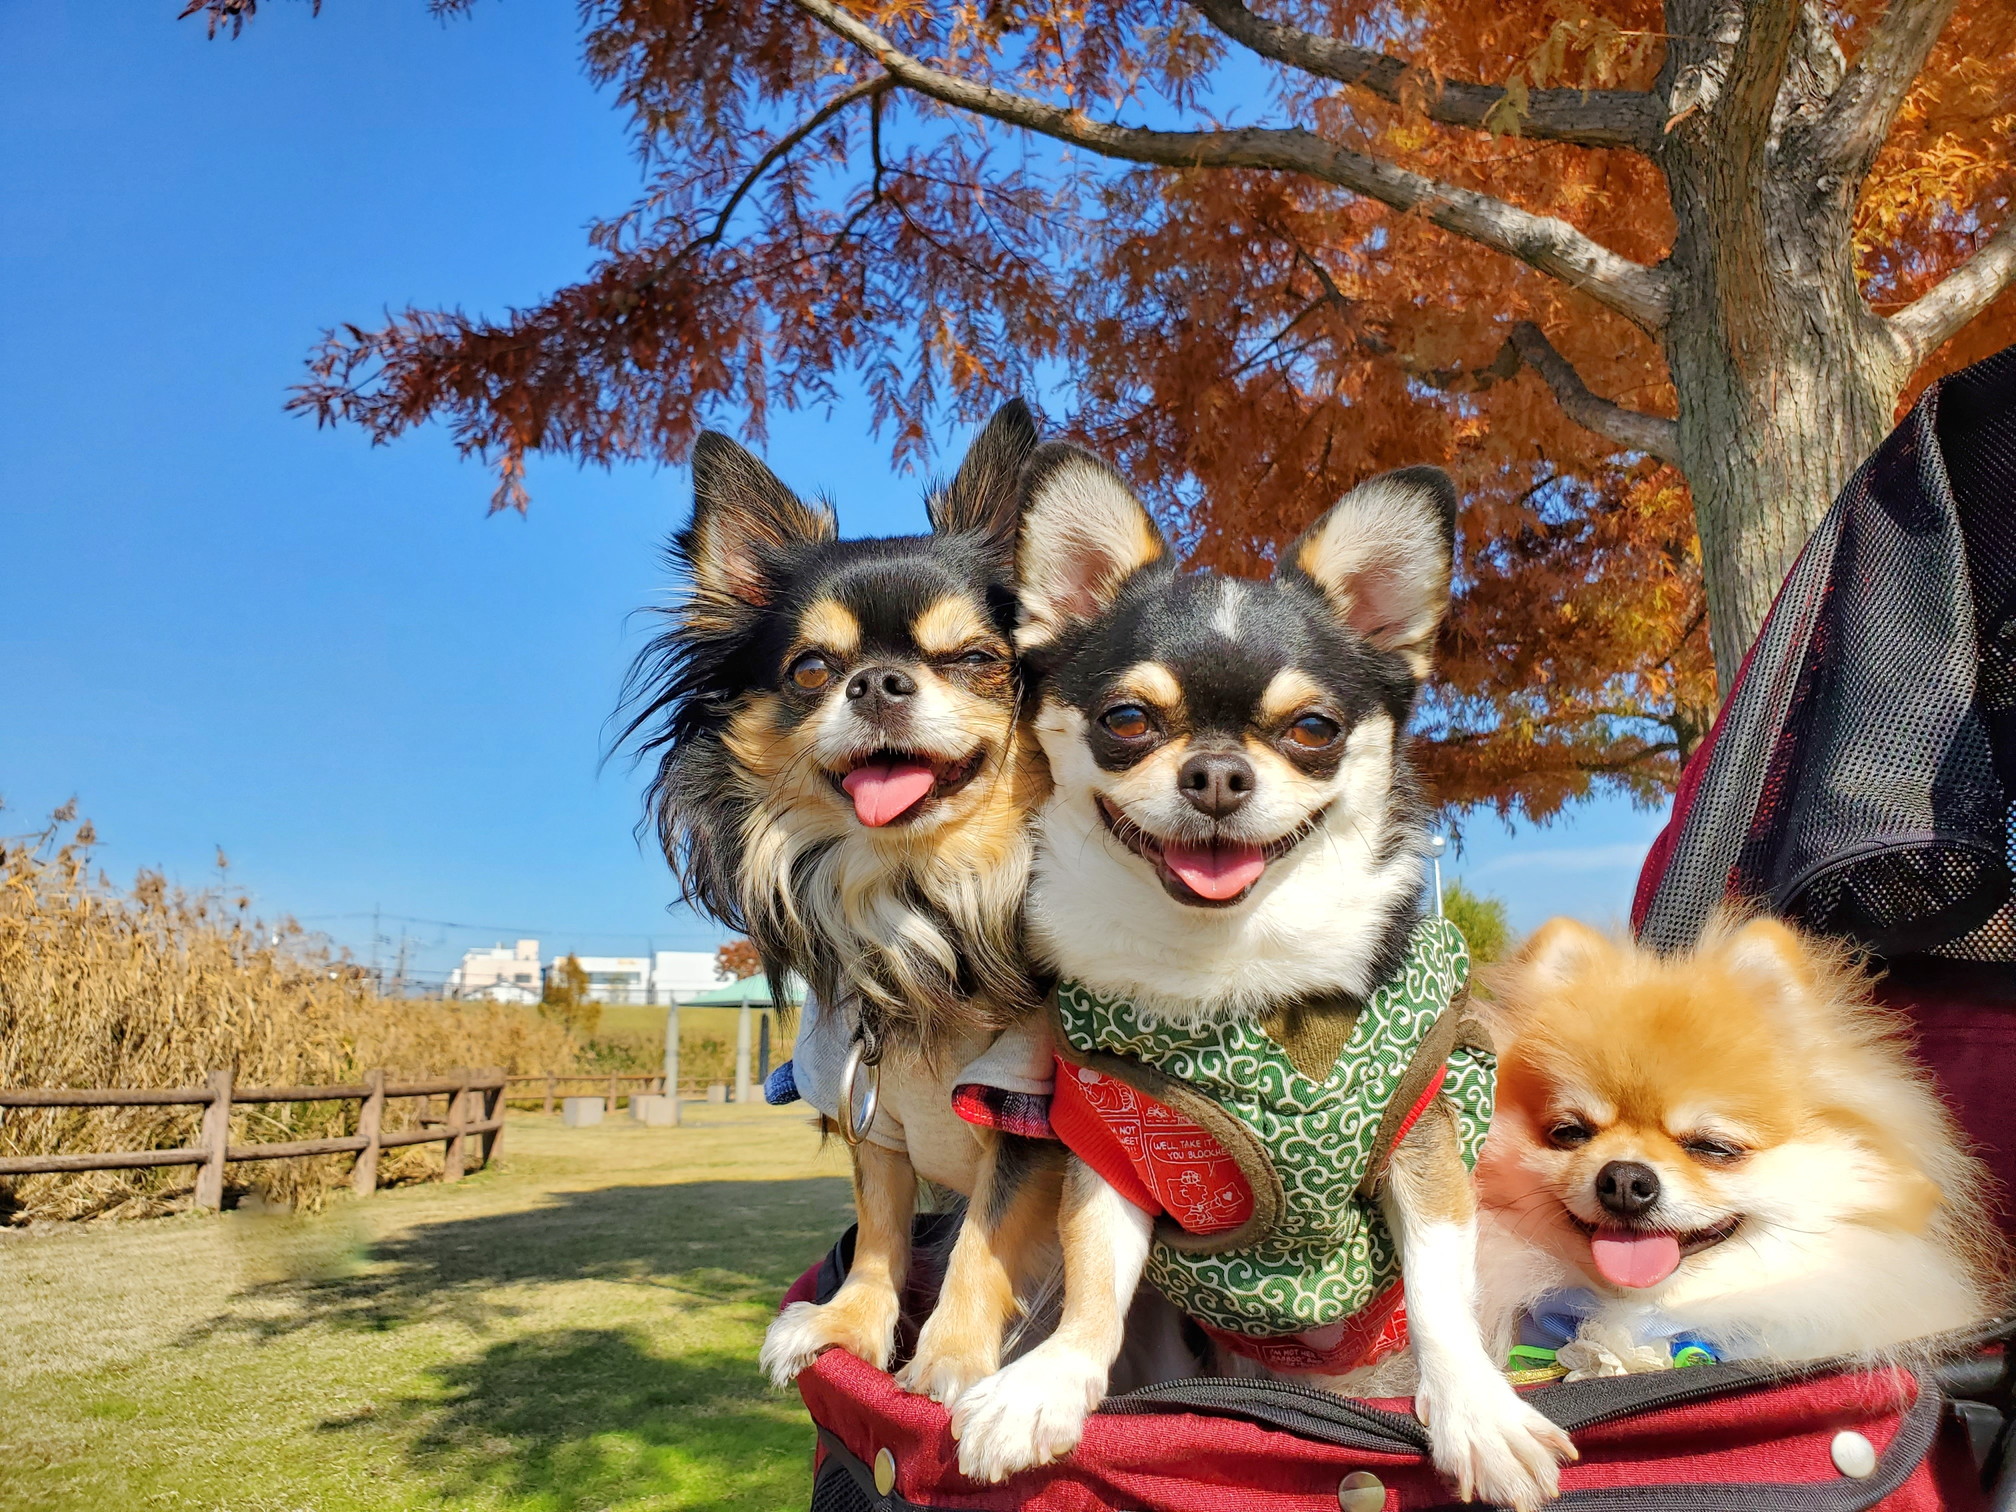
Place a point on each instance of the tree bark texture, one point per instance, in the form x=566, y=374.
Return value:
x=1786, y=379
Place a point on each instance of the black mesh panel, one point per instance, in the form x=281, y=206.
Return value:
x=1861, y=780
x=836, y=1491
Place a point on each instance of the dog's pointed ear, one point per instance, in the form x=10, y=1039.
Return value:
x=1781, y=967
x=1083, y=535
x=1553, y=956
x=1558, y=951
x=1383, y=554
x=984, y=497
x=744, y=521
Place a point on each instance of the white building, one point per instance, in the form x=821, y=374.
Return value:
x=664, y=977
x=677, y=975
x=501, y=973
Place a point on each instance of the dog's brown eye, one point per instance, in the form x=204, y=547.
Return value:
x=811, y=671
x=979, y=656
x=1569, y=1133
x=1312, y=732
x=1127, y=722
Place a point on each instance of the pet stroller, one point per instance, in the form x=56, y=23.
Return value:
x=1859, y=780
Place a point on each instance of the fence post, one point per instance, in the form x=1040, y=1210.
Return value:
x=672, y=1058
x=493, y=1108
x=742, y=1055
x=216, y=1141
x=613, y=1094
x=370, y=1123
x=550, y=1080
x=458, y=1115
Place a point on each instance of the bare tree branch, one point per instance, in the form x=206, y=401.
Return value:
x=881, y=84
x=1641, y=294
x=1591, y=118
x=1631, y=428
x=1926, y=325
x=1857, y=120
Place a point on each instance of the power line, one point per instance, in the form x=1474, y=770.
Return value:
x=526, y=930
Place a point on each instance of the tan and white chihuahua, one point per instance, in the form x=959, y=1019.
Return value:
x=845, y=775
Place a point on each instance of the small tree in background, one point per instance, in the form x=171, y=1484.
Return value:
x=1481, y=917
x=566, y=1000
x=738, y=960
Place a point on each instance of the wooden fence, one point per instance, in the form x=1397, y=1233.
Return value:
x=585, y=1084
x=467, y=1092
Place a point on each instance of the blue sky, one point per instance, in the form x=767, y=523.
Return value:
x=224, y=627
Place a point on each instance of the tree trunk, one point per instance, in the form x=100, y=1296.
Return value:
x=1786, y=379
x=1779, y=402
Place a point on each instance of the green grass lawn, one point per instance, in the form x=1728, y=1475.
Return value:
x=574, y=1329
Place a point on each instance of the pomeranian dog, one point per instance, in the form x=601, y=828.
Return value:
x=844, y=776
x=1229, y=885
x=1729, y=1152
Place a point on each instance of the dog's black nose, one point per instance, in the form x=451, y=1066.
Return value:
x=1216, y=782
x=1627, y=1188
x=880, y=685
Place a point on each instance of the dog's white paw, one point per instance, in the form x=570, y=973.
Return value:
x=803, y=1329
x=945, y=1368
x=1029, y=1413
x=1493, y=1446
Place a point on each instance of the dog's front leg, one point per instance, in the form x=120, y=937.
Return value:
x=861, y=1318
x=1484, y=1438
x=1034, y=1410
x=1010, y=1228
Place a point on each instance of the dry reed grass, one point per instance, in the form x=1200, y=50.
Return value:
x=157, y=986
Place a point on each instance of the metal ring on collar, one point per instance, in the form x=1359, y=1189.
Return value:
x=851, y=1129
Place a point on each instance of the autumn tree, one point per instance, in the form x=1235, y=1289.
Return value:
x=1651, y=279
x=738, y=960
x=566, y=1001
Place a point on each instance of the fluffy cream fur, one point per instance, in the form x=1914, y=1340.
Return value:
x=1862, y=1223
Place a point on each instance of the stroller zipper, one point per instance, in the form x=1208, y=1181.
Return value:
x=1666, y=1389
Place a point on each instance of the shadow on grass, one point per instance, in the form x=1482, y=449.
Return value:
x=572, y=1419
x=712, y=1242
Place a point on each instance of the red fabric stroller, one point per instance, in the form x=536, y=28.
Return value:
x=1858, y=780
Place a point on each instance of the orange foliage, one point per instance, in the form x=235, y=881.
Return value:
x=738, y=959
x=1245, y=343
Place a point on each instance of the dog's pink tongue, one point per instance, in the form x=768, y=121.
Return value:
x=1626, y=1258
x=886, y=790
x=1216, y=871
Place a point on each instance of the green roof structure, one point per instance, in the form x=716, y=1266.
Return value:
x=752, y=991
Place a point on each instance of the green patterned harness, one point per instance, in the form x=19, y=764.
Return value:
x=1309, y=1104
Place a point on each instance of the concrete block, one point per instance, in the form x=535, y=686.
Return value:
x=580, y=1112
x=652, y=1109
x=717, y=1092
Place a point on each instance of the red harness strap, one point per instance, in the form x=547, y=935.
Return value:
x=1163, y=1162
x=1149, y=1153
x=1376, y=1330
